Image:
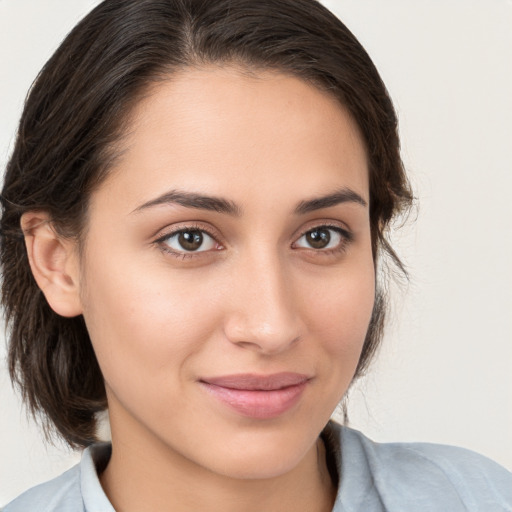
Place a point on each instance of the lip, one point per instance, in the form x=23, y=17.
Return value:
x=258, y=396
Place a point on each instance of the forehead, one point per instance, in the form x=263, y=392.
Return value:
x=214, y=128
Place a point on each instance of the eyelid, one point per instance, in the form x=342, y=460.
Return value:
x=329, y=224
x=173, y=230
x=345, y=233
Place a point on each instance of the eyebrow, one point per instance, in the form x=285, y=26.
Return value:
x=343, y=195
x=221, y=205
x=193, y=200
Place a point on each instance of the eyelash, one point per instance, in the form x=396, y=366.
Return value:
x=346, y=238
x=184, y=255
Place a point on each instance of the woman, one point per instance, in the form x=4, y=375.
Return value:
x=203, y=190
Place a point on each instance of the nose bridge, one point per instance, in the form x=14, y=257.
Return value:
x=263, y=314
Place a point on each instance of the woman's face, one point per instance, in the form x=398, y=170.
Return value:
x=227, y=280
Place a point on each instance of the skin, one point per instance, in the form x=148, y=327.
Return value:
x=258, y=299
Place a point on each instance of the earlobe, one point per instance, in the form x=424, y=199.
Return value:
x=54, y=263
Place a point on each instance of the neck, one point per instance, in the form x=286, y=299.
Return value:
x=144, y=476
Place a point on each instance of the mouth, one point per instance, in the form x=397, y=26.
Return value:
x=258, y=396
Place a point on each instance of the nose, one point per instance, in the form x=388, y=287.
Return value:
x=263, y=315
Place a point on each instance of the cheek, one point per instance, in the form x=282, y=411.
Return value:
x=142, y=322
x=340, y=311
x=340, y=316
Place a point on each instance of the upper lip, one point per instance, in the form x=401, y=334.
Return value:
x=252, y=381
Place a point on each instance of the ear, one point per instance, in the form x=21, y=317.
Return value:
x=54, y=263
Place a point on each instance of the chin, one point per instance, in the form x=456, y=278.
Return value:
x=258, y=467
x=262, y=455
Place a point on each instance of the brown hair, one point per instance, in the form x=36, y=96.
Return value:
x=74, y=115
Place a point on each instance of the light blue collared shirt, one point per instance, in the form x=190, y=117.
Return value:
x=372, y=477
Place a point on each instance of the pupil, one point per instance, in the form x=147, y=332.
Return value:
x=318, y=238
x=190, y=240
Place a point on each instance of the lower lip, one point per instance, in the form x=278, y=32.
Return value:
x=256, y=403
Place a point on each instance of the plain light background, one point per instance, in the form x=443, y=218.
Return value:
x=444, y=373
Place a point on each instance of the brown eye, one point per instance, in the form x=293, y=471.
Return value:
x=324, y=237
x=318, y=238
x=189, y=240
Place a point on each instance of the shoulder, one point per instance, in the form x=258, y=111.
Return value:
x=76, y=490
x=423, y=476
x=60, y=494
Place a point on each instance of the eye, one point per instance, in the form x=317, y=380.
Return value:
x=189, y=240
x=323, y=238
